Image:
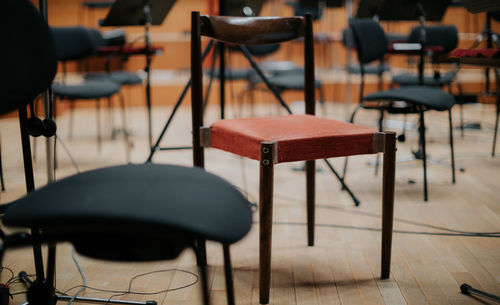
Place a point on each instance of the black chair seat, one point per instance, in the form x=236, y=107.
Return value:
x=232, y=74
x=369, y=69
x=291, y=81
x=407, y=79
x=87, y=90
x=98, y=4
x=121, y=77
x=431, y=98
x=134, y=212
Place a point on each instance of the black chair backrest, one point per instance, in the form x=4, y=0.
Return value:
x=445, y=36
x=263, y=50
x=313, y=7
x=73, y=43
x=369, y=38
x=29, y=62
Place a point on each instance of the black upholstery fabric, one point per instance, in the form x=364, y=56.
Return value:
x=368, y=69
x=29, y=61
x=232, y=74
x=97, y=4
x=129, y=212
x=407, y=79
x=73, y=43
x=431, y=98
x=96, y=37
x=445, y=36
x=369, y=38
x=92, y=89
x=120, y=77
x=290, y=81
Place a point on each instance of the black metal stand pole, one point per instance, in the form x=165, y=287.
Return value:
x=147, y=69
x=468, y=290
x=156, y=146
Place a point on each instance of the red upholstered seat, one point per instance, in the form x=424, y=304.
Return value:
x=299, y=137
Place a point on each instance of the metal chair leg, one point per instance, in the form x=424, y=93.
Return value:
x=98, y=116
x=424, y=155
x=496, y=127
x=452, y=151
x=71, y=119
x=344, y=172
x=124, y=127
x=380, y=128
x=204, y=284
x=228, y=275
x=2, y=182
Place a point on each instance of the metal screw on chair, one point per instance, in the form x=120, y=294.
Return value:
x=265, y=161
x=265, y=150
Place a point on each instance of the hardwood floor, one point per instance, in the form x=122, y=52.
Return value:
x=437, y=245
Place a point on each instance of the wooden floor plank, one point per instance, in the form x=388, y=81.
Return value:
x=344, y=266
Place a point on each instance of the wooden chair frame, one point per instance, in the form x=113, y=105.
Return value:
x=267, y=30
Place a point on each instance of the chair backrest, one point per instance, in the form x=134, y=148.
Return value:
x=445, y=36
x=369, y=38
x=245, y=31
x=313, y=7
x=74, y=43
x=29, y=62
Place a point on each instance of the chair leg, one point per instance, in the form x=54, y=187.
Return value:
x=71, y=119
x=265, y=220
x=389, y=174
x=228, y=275
x=98, y=116
x=424, y=155
x=344, y=172
x=322, y=100
x=310, y=193
x=496, y=127
x=110, y=122
x=380, y=127
x=452, y=151
x=2, y=182
x=462, y=127
x=201, y=252
x=204, y=283
x=124, y=127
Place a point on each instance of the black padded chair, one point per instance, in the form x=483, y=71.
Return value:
x=376, y=68
x=444, y=36
x=124, y=213
x=371, y=44
x=74, y=43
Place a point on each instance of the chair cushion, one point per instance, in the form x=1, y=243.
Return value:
x=431, y=98
x=232, y=74
x=98, y=4
x=135, y=212
x=121, y=77
x=299, y=137
x=407, y=79
x=290, y=81
x=91, y=89
x=369, y=69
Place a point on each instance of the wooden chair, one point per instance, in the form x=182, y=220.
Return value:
x=277, y=139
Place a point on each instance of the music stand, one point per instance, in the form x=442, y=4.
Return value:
x=141, y=13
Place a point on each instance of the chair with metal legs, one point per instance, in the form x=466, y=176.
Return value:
x=74, y=43
x=371, y=44
x=278, y=139
x=134, y=212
